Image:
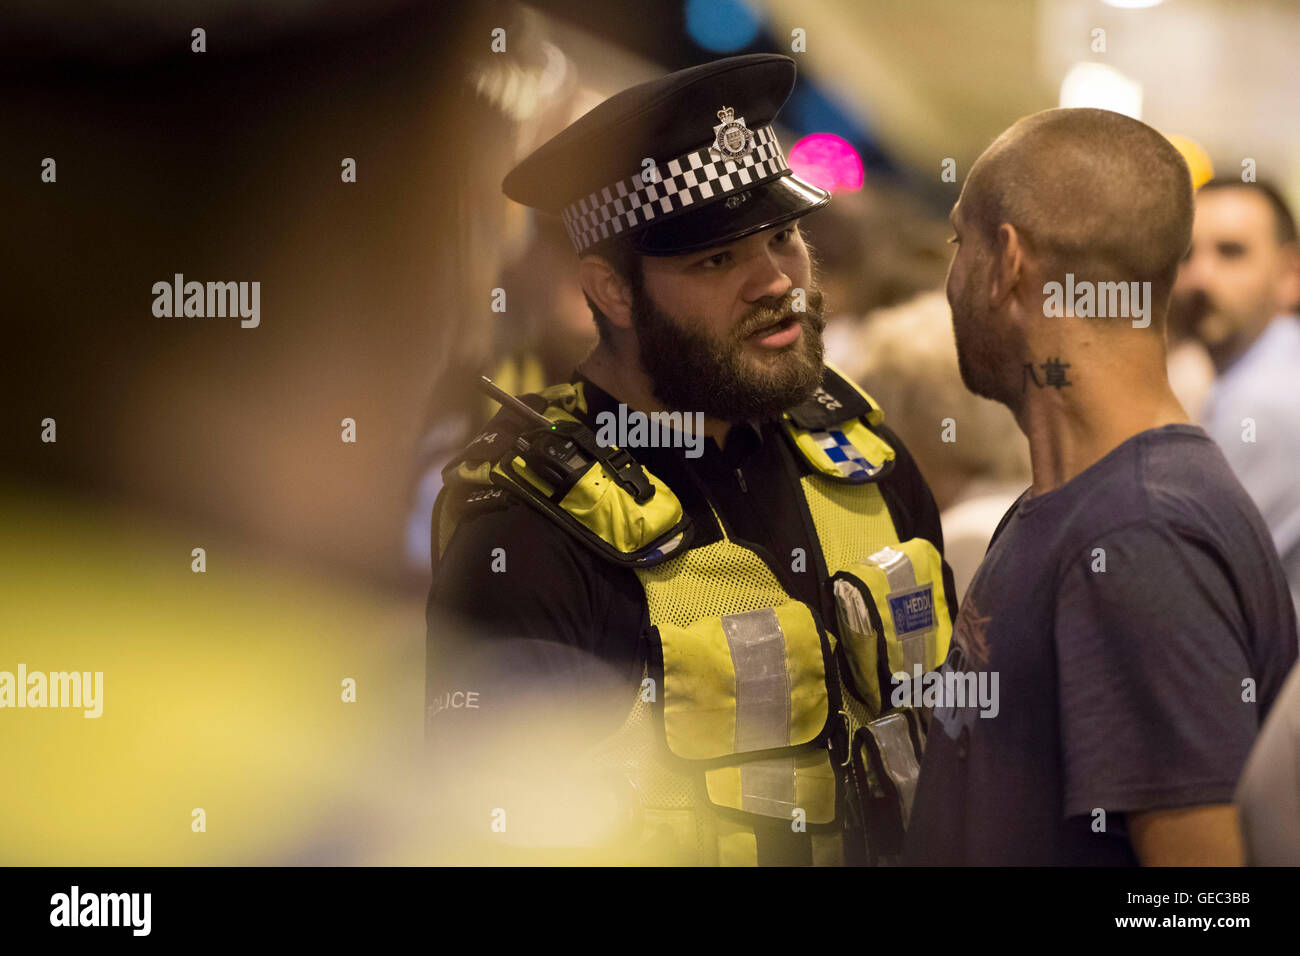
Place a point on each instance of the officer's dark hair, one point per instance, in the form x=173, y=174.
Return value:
x=626, y=263
x=1283, y=221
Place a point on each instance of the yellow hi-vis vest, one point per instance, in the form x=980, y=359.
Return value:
x=751, y=710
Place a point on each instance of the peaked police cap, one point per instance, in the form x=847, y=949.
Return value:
x=682, y=163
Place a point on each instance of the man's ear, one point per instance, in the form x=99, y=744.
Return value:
x=1008, y=264
x=605, y=288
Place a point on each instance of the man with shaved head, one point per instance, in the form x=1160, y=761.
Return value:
x=1131, y=613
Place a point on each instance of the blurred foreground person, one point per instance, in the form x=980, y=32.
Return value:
x=1131, y=616
x=1237, y=293
x=547, y=331
x=1269, y=793
x=716, y=530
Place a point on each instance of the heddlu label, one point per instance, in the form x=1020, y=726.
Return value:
x=913, y=609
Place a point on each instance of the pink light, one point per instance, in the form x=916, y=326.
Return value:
x=825, y=160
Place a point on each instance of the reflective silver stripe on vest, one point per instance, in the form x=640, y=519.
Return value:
x=897, y=567
x=902, y=577
x=757, y=647
x=898, y=756
x=767, y=787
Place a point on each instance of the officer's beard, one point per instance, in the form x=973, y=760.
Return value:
x=692, y=372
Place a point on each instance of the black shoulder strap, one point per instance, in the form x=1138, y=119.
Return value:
x=835, y=400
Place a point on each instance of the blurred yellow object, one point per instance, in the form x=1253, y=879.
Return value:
x=222, y=691
x=1198, y=160
x=521, y=373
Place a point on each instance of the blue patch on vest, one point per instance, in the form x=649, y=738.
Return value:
x=913, y=610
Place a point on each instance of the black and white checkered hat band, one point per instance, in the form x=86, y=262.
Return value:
x=702, y=175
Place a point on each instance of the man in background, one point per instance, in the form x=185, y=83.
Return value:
x=1237, y=293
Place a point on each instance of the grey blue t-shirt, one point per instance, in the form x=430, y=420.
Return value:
x=1128, y=632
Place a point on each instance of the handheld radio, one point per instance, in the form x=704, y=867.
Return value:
x=562, y=452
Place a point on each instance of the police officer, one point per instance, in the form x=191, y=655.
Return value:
x=705, y=511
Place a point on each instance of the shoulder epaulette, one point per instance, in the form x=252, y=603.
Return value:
x=834, y=431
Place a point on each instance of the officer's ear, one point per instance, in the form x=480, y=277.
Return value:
x=607, y=289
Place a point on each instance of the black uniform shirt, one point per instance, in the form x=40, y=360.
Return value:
x=558, y=608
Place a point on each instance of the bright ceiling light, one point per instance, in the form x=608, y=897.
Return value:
x=1103, y=87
